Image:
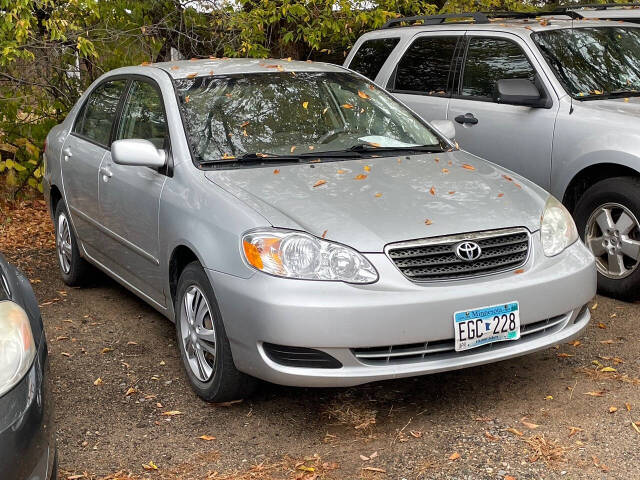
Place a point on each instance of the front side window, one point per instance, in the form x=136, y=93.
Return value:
x=594, y=62
x=143, y=115
x=489, y=60
x=371, y=55
x=425, y=67
x=228, y=116
x=96, y=117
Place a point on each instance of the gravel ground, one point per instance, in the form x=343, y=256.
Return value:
x=116, y=370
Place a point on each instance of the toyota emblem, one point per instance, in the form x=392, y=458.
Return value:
x=468, y=251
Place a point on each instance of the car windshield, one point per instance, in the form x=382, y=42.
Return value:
x=594, y=62
x=295, y=114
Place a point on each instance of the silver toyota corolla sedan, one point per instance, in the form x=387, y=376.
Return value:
x=301, y=226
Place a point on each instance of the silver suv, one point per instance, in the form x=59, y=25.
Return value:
x=554, y=97
x=302, y=226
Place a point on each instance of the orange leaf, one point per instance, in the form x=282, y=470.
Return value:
x=276, y=171
x=613, y=409
x=207, y=438
x=145, y=64
x=529, y=425
x=565, y=355
x=574, y=430
x=602, y=325
x=452, y=192
x=445, y=170
x=361, y=94
x=192, y=75
x=226, y=156
x=598, y=393
x=500, y=195
x=378, y=195
x=362, y=176
x=347, y=106
x=507, y=178
x=514, y=431
x=468, y=167
x=519, y=271
x=171, y=413
x=340, y=172
x=454, y=456
x=432, y=190
x=319, y=182
x=324, y=234
x=175, y=67
x=428, y=222
x=367, y=168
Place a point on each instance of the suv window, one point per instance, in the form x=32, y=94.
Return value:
x=143, y=115
x=492, y=59
x=96, y=117
x=371, y=55
x=426, y=65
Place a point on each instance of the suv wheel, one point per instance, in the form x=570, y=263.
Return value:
x=73, y=267
x=203, y=342
x=607, y=220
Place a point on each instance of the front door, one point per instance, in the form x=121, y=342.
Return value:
x=129, y=196
x=82, y=154
x=516, y=137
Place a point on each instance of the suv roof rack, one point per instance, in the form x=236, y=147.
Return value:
x=595, y=6
x=478, y=17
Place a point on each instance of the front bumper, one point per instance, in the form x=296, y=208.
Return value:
x=27, y=433
x=337, y=318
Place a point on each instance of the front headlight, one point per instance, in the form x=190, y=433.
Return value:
x=557, y=229
x=17, y=348
x=299, y=255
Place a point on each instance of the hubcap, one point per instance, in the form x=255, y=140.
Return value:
x=198, y=334
x=613, y=236
x=63, y=243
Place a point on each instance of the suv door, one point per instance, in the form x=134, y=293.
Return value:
x=423, y=77
x=517, y=137
x=129, y=196
x=82, y=153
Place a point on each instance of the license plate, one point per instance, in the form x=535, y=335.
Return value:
x=480, y=326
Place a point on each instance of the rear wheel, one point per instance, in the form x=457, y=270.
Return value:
x=203, y=343
x=73, y=267
x=607, y=220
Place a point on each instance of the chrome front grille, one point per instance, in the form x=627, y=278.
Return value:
x=396, y=354
x=435, y=258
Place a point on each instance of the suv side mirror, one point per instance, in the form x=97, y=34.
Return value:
x=136, y=151
x=518, y=91
x=445, y=127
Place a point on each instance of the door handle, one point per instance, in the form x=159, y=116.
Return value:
x=67, y=154
x=106, y=173
x=466, y=118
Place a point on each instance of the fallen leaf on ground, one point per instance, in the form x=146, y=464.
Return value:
x=627, y=405
x=574, y=430
x=608, y=369
x=454, y=456
x=514, y=431
x=613, y=409
x=415, y=433
x=227, y=404
x=575, y=343
x=130, y=391
x=150, y=466
x=490, y=437
x=98, y=381
x=374, y=469
x=171, y=413
x=565, y=355
x=529, y=425
x=594, y=306
x=598, y=393
x=602, y=325
x=207, y=438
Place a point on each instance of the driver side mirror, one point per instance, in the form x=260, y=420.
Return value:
x=518, y=91
x=139, y=152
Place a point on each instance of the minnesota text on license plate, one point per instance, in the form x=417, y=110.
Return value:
x=480, y=326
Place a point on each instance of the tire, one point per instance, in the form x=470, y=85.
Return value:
x=74, y=269
x=607, y=219
x=203, y=344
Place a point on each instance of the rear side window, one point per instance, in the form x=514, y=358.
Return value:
x=492, y=59
x=371, y=55
x=99, y=111
x=426, y=66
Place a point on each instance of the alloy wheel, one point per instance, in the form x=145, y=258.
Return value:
x=612, y=234
x=63, y=243
x=198, y=334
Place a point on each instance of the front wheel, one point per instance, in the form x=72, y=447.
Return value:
x=607, y=220
x=202, y=340
x=74, y=268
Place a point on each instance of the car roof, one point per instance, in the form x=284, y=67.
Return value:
x=226, y=66
x=519, y=25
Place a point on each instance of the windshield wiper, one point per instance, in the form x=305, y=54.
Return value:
x=367, y=147
x=607, y=95
x=254, y=157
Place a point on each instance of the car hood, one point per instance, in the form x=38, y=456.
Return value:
x=368, y=203
x=620, y=106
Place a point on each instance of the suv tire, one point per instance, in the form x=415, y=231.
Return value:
x=203, y=343
x=73, y=268
x=607, y=219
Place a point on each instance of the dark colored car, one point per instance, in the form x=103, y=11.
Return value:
x=27, y=443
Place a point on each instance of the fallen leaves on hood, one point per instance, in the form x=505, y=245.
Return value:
x=319, y=183
x=428, y=222
x=432, y=190
x=362, y=176
x=192, y=75
x=468, y=167
x=324, y=234
x=378, y=195
x=500, y=195
x=292, y=149
x=367, y=168
x=276, y=171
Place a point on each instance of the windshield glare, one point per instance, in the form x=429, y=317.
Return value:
x=287, y=113
x=595, y=61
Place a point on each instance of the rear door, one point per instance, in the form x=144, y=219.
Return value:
x=129, y=196
x=423, y=76
x=82, y=154
x=517, y=137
